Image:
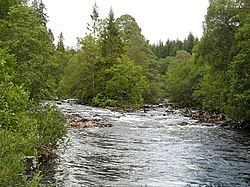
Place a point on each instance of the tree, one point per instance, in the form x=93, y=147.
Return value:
x=224, y=51
x=58, y=61
x=138, y=50
x=110, y=41
x=170, y=48
x=69, y=83
x=25, y=36
x=95, y=28
x=92, y=77
x=177, y=84
x=164, y=63
x=17, y=137
x=60, y=45
x=239, y=69
x=189, y=43
x=183, y=76
x=125, y=88
x=160, y=50
x=217, y=51
x=88, y=69
x=40, y=10
x=5, y=6
x=24, y=127
x=83, y=78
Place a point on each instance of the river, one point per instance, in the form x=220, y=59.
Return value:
x=150, y=148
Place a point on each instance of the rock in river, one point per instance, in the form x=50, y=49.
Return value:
x=78, y=121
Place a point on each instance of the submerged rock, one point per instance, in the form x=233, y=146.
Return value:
x=245, y=124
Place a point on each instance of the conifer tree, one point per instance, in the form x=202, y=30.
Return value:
x=189, y=43
x=40, y=10
x=139, y=51
x=95, y=28
x=111, y=43
x=60, y=45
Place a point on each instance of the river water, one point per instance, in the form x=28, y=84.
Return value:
x=150, y=148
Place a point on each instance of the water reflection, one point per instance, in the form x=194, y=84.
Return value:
x=153, y=149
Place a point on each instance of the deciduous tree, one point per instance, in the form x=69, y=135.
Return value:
x=25, y=36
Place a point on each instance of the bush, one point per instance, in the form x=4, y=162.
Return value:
x=24, y=127
x=50, y=125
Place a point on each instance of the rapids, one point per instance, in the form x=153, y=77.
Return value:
x=150, y=148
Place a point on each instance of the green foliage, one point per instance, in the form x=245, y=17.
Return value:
x=89, y=74
x=224, y=55
x=11, y=157
x=189, y=43
x=239, y=96
x=111, y=44
x=50, y=125
x=217, y=75
x=58, y=62
x=93, y=73
x=183, y=75
x=212, y=90
x=23, y=128
x=60, y=45
x=164, y=63
x=40, y=9
x=171, y=47
x=24, y=125
x=16, y=137
x=125, y=88
x=25, y=36
x=83, y=73
x=138, y=50
x=7, y=63
x=68, y=84
x=13, y=99
x=220, y=26
x=5, y=5
x=165, y=54
x=95, y=28
x=224, y=51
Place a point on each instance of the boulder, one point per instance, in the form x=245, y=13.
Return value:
x=31, y=163
x=45, y=153
x=75, y=120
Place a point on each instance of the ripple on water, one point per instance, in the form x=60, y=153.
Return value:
x=152, y=149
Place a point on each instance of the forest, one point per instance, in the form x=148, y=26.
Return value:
x=114, y=66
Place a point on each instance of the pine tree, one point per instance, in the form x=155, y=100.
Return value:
x=94, y=29
x=189, y=43
x=111, y=42
x=60, y=45
x=138, y=50
x=40, y=10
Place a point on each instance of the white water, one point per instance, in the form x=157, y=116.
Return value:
x=151, y=149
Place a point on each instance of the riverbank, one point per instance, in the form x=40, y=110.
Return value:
x=29, y=137
x=210, y=116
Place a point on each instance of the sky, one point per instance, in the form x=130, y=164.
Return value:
x=158, y=19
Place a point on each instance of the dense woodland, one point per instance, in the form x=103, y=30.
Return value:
x=114, y=66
